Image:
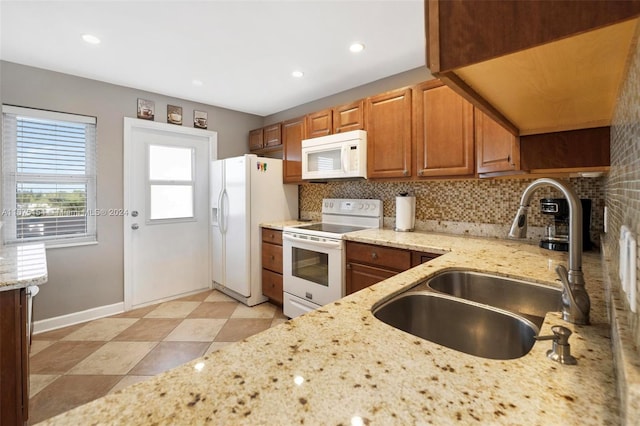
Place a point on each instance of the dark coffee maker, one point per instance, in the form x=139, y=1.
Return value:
x=556, y=234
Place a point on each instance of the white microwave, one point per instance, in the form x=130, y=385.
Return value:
x=339, y=156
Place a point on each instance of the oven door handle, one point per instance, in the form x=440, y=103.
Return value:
x=327, y=244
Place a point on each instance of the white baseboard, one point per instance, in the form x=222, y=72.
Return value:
x=77, y=317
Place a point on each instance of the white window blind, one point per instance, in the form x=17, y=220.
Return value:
x=49, y=176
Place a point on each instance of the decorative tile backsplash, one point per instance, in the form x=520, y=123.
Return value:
x=623, y=184
x=480, y=207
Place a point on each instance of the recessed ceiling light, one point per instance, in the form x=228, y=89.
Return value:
x=356, y=47
x=297, y=74
x=197, y=82
x=91, y=39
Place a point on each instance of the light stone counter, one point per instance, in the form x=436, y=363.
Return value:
x=280, y=225
x=22, y=266
x=340, y=365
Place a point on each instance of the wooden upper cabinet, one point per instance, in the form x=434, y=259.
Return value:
x=443, y=131
x=534, y=66
x=388, y=118
x=293, y=132
x=272, y=135
x=256, y=138
x=497, y=149
x=320, y=123
x=348, y=117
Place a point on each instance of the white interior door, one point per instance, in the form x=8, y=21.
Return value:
x=166, y=228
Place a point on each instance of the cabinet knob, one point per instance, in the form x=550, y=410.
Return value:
x=405, y=173
x=273, y=258
x=348, y=266
x=374, y=255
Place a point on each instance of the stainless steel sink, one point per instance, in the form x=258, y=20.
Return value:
x=460, y=325
x=530, y=300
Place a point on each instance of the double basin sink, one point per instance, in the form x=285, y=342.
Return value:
x=479, y=314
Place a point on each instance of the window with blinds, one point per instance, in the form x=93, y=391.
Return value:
x=49, y=176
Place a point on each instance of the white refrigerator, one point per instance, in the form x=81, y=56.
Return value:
x=245, y=192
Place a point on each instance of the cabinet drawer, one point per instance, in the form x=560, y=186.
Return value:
x=363, y=276
x=272, y=236
x=272, y=257
x=272, y=285
x=388, y=257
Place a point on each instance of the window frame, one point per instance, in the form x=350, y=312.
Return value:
x=11, y=178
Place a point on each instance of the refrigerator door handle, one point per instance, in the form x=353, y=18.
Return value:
x=225, y=211
x=219, y=211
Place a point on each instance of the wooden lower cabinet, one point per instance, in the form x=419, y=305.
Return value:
x=368, y=264
x=272, y=265
x=14, y=358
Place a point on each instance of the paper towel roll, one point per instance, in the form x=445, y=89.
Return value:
x=405, y=213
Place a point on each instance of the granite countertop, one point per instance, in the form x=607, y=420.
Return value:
x=22, y=265
x=340, y=365
x=281, y=225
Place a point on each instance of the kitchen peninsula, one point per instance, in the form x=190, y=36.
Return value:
x=21, y=266
x=341, y=365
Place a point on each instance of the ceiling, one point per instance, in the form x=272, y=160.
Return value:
x=243, y=52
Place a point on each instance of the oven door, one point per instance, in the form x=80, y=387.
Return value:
x=313, y=267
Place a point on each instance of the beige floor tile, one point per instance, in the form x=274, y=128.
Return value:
x=128, y=381
x=217, y=346
x=115, y=358
x=102, y=329
x=173, y=309
x=37, y=382
x=38, y=345
x=218, y=296
x=264, y=310
x=196, y=330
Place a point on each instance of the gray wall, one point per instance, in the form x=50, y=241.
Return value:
x=85, y=277
x=406, y=78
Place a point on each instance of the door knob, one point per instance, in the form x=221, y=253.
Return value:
x=134, y=213
x=135, y=226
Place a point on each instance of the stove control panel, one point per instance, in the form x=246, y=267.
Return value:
x=352, y=207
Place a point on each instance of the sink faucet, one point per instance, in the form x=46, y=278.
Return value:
x=575, y=300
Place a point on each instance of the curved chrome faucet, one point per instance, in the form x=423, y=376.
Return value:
x=575, y=299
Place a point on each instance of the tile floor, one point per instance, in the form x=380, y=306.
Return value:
x=76, y=364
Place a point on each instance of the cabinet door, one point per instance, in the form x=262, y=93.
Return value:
x=444, y=131
x=256, y=138
x=348, y=117
x=362, y=276
x=389, y=134
x=320, y=123
x=272, y=135
x=293, y=131
x=497, y=149
x=14, y=360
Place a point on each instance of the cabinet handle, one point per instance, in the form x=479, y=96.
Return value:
x=273, y=258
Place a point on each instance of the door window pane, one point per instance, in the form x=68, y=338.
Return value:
x=170, y=163
x=171, y=202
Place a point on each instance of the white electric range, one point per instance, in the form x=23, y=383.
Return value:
x=313, y=255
